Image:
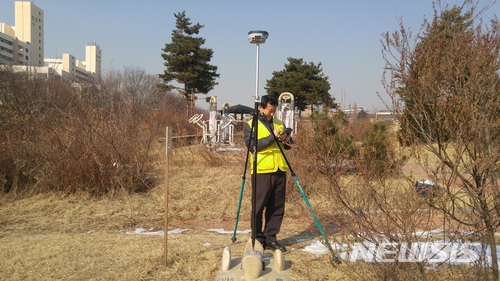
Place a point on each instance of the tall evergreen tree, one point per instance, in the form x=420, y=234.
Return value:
x=187, y=62
x=305, y=81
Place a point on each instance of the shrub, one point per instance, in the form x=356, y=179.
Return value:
x=96, y=138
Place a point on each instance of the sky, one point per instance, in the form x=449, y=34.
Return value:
x=344, y=36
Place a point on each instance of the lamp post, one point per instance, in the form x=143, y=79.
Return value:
x=256, y=37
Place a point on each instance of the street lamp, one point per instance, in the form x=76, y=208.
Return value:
x=257, y=37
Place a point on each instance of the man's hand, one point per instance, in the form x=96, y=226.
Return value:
x=285, y=137
x=277, y=133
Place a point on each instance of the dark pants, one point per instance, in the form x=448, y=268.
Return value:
x=270, y=195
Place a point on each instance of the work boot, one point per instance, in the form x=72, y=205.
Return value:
x=275, y=246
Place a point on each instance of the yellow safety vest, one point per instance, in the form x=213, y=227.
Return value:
x=269, y=159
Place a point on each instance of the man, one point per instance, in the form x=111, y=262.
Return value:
x=271, y=172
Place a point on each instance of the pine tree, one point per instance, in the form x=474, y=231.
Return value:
x=187, y=62
x=305, y=81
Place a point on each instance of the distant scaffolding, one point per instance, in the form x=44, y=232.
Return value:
x=215, y=131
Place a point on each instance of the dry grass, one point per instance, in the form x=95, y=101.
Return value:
x=78, y=237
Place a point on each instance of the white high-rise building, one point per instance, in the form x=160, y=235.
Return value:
x=93, y=59
x=68, y=67
x=29, y=28
x=22, y=45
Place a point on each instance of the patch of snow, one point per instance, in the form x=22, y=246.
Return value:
x=142, y=231
x=222, y=231
x=229, y=149
x=177, y=231
x=316, y=248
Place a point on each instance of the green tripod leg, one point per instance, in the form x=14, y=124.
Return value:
x=335, y=258
x=238, y=212
x=318, y=224
x=241, y=194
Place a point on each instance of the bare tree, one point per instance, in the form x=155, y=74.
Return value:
x=372, y=204
x=445, y=85
x=97, y=137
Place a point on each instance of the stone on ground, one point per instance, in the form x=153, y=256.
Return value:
x=254, y=265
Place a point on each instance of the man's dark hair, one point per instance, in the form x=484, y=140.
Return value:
x=264, y=100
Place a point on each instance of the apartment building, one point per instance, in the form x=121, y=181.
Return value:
x=69, y=67
x=29, y=28
x=22, y=46
x=93, y=59
x=12, y=50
